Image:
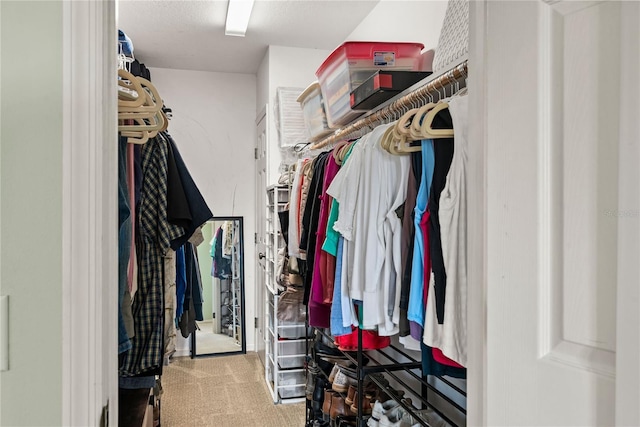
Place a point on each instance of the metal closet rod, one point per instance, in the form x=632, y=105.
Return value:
x=416, y=98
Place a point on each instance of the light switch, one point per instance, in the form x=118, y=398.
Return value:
x=4, y=333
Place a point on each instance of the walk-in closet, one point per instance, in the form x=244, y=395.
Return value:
x=379, y=213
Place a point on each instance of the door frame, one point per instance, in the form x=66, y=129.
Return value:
x=89, y=215
x=260, y=332
x=477, y=223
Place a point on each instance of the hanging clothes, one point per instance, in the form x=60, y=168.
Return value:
x=124, y=246
x=416, y=309
x=448, y=332
x=319, y=313
x=155, y=234
x=192, y=210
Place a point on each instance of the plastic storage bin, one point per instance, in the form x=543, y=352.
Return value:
x=291, y=378
x=291, y=362
x=289, y=348
x=354, y=62
x=288, y=392
x=292, y=331
x=313, y=110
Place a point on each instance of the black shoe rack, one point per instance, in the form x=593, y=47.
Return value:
x=381, y=361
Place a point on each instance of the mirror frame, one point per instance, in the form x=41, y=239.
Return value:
x=243, y=324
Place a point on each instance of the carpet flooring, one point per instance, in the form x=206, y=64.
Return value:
x=225, y=391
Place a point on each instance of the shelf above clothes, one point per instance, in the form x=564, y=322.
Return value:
x=415, y=96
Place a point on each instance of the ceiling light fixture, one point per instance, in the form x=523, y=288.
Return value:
x=238, y=14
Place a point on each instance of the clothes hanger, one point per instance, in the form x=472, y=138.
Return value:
x=426, y=129
x=130, y=82
x=417, y=122
x=150, y=105
x=403, y=125
x=139, y=137
x=157, y=122
x=342, y=153
x=387, y=141
x=336, y=150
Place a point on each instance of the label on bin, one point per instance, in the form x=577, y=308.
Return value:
x=384, y=59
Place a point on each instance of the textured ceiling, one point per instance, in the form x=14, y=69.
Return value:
x=189, y=34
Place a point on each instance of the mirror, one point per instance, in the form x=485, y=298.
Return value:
x=221, y=260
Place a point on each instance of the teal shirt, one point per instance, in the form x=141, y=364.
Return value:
x=330, y=244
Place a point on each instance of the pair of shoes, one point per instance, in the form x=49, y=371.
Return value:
x=390, y=414
x=334, y=406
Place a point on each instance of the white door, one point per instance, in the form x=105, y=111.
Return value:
x=261, y=221
x=555, y=119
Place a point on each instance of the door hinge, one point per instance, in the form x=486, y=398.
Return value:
x=104, y=418
x=255, y=153
x=255, y=322
x=255, y=237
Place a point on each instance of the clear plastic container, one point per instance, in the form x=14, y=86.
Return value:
x=354, y=62
x=289, y=392
x=291, y=362
x=313, y=110
x=291, y=378
x=289, y=348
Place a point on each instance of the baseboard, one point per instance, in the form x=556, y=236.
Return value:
x=182, y=353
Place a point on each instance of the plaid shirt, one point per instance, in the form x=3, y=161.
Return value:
x=155, y=235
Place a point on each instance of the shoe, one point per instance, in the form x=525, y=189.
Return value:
x=338, y=407
x=396, y=417
x=366, y=404
x=318, y=397
x=431, y=417
x=334, y=371
x=342, y=381
x=350, y=395
x=379, y=408
x=312, y=373
x=326, y=406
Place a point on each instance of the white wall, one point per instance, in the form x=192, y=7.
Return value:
x=31, y=211
x=287, y=67
x=262, y=76
x=403, y=21
x=214, y=129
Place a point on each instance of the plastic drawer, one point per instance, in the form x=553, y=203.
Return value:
x=291, y=378
x=289, y=392
x=291, y=362
x=288, y=348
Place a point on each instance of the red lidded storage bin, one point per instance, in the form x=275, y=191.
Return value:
x=351, y=64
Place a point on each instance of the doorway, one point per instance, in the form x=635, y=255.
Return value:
x=222, y=330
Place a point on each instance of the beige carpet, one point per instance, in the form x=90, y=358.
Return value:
x=222, y=391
